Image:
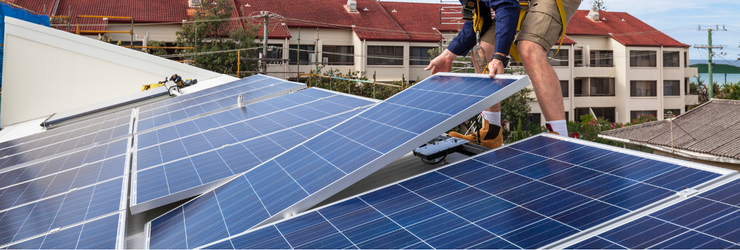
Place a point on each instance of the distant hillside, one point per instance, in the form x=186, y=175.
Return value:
x=717, y=61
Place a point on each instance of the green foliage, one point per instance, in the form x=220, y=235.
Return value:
x=731, y=91
x=213, y=30
x=599, y=4
x=156, y=52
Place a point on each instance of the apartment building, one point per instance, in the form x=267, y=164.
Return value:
x=613, y=65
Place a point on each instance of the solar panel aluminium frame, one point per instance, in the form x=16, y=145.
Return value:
x=520, y=82
x=727, y=176
x=75, y=150
x=302, y=86
x=199, y=190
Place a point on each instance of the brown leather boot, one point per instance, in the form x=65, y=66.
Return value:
x=479, y=137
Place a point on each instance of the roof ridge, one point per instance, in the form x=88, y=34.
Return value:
x=405, y=33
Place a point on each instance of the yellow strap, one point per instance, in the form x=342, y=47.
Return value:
x=563, y=21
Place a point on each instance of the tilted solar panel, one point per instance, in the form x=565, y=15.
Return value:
x=313, y=171
x=527, y=195
x=253, y=89
x=107, y=232
x=707, y=221
x=185, y=160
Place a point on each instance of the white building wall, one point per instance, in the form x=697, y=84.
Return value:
x=47, y=71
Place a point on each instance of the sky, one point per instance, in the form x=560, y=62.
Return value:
x=680, y=19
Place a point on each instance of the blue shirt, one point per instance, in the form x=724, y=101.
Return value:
x=507, y=18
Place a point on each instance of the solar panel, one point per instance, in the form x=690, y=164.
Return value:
x=707, y=221
x=107, y=232
x=173, y=110
x=188, y=159
x=526, y=195
x=22, y=155
x=320, y=167
x=63, y=210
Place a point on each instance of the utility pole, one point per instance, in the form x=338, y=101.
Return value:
x=265, y=33
x=316, y=51
x=709, y=47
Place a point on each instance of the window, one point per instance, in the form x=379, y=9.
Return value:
x=636, y=114
x=579, y=89
x=602, y=87
x=685, y=59
x=533, y=119
x=674, y=113
x=384, y=55
x=561, y=59
x=642, y=58
x=420, y=55
x=294, y=55
x=564, y=88
x=339, y=55
x=602, y=58
x=671, y=88
x=671, y=59
x=567, y=118
x=608, y=114
x=643, y=88
x=274, y=51
x=578, y=58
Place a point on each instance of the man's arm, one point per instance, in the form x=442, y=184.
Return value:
x=507, y=18
x=465, y=39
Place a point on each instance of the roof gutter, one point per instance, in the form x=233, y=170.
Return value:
x=680, y=152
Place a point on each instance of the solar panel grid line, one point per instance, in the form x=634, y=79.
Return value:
x=229, y=124
x=318, y=209
x=225, y=108
x=205, y=92
x=504, y=86
x=70, y=184
x=678, y=206
x=280, y=88
x=35, y=155
x=57, y=131
x=36, y=212
x=97, y=235
x=361, y=172
x=216, y=147
x=181, y=194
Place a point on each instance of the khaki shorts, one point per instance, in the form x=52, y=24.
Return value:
x=541, y=23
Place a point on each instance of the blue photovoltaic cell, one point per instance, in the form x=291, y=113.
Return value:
x=26, y=153
x=477, y=203
x=66, y=162
x=165, y=113
x=59, y=211
x=278, y=184
x=96, y=234
x=710, y=220
x=199, y=159
x=61, y=182
x=70, y=131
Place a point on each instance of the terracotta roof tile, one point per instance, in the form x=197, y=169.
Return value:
x=420, y=19
x=622, y=27
x=713, y=128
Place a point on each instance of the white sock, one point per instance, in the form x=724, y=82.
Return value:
x=493, y=118
x=560, y=127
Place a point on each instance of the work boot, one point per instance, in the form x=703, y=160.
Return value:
x=481, y=137
x=549, y=129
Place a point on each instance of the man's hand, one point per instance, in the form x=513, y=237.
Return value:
x=495, y=67
x=442, y=63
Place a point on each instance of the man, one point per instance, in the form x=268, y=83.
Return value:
x=540, y=29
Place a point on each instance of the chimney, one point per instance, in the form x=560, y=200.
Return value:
x=594, y=14
x=351, y=6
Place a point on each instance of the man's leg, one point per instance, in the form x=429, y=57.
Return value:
x=546, y=85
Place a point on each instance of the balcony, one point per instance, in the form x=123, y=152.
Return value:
x=594, y=71
x=691, y=72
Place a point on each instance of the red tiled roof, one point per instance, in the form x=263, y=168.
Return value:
x=36, y=5
x=566, y=41
x=373, y=24
x=143, y=11
x=622, y=27
x=419, y=19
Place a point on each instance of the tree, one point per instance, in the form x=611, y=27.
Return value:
x=214, y=30
x=599, y=4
